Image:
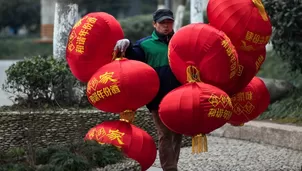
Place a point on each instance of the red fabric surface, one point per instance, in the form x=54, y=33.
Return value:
x=248, y=104
x=195, y=108
x=209, y=51
x=133, y=141
x=122, y=85
x=247, y=27
x=91, y=42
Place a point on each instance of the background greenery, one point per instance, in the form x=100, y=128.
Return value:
x=82, y=156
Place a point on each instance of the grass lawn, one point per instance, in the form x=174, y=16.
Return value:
x=20, y=47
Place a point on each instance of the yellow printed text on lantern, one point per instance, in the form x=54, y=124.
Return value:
x=104, y=92
x=81, y=39
x=256, y=38
x=107, y=76
x=219, y=113
x=242, y=96
x=246, y=108
x=224, y=100
x=259, y=62
x=92, y=84
x=100, y=133
x=231, y=53
x=112, y=135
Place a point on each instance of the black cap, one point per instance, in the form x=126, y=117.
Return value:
x=162, y=14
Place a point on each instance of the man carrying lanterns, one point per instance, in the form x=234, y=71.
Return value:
x=153, y=50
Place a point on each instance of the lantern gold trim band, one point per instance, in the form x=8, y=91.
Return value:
x=127, y=116
x=260, y=6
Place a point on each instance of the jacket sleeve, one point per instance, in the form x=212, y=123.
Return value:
x=135, y=52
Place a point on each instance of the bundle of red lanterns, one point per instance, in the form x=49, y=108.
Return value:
x=217, y=64
x=115, y=84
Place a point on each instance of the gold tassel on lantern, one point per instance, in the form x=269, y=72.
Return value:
x=127, y=116
x=199, y=144
x=193, y=74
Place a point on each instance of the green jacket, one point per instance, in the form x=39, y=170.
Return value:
x=153, y=50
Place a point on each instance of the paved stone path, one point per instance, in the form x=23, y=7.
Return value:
x=237, y=155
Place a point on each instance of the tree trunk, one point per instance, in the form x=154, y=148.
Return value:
x=277, y=88
x=47, y=19
x=196, y=14
x=160, y=4
x=66, y=14
x=179, y=14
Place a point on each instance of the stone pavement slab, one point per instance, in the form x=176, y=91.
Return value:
x=237, y=155
x=282, y=135
x=154, y=169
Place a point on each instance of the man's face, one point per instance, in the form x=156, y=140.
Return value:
x=164, y=27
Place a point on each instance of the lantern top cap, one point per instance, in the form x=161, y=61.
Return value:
x=162, y=14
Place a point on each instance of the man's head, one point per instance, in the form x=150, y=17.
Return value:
x=163, y=21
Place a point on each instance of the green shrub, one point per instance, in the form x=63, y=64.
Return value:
x=15, y=167
x=98, y=155
x=43, y=155
x=286, y=19
x=88, y=154
x=42, y=81
x=15, y=153
x=49, y=167
x=69, y=161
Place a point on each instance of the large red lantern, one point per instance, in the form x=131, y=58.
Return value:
x=122, y=85
x=91, y=42
x=134, y=142
x=195, y=109
x=249, y=103
x=200, y=50
x=249, y=65
x=244, y=21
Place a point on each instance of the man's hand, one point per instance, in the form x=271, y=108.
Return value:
x=122, y=45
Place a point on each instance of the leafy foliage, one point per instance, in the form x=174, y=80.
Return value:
x=15, y=167
x=81, y=156
x=287, y=110
x=286, y=19
x=49, y=167
x=38, y=81
x=43, y=155
x=69, y=161
x=98, y=155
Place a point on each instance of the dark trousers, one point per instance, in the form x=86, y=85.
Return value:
x=169, y=144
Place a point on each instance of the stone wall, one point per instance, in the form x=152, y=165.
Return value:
x=42, y=129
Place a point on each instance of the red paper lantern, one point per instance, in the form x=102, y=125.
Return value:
x=248, y=104
x=195, y=108
x=91, y=42
x=244, y=21
x=133, y=141
x=249, y=65
x=122, y=85
x=200, y=50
